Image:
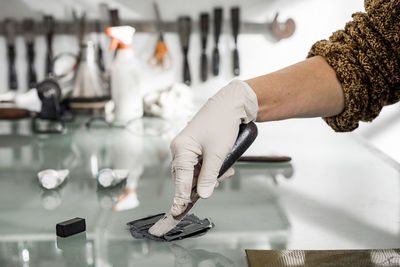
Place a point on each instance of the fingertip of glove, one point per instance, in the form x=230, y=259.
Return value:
x=177, y=209
x=205, y=191
x=230, y=172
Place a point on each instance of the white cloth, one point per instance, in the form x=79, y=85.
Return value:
x=176, y=101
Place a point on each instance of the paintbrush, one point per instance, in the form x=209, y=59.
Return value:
x=246, y=136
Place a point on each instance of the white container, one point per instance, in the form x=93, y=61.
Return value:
x=51, y=179
x=125, y=79
x=108, y=177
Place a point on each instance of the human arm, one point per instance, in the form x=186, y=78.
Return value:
x=307, y=89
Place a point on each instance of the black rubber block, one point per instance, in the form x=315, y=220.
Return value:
x=70, y=227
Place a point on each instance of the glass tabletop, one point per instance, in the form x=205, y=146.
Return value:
x=336, y=193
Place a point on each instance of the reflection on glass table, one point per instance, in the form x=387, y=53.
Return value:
x=108, y=243
x=338, y=193
x=30, y=212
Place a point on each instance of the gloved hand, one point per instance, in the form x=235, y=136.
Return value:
x=201, y=147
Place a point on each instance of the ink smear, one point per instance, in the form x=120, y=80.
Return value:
x=190, y=226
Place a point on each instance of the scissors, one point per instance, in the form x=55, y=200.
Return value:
x=161, y=56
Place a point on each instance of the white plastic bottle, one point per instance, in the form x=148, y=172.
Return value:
x=125, y=79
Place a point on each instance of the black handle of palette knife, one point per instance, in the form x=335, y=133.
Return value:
x=235, y=21
x=217, y=33
x=100, y=59
x=49, y=25
x=12, y=73
x=186, y=70
x=9, y=34
x=236, y=68
x=217, y=24
x=31, y=66
x=215, y=61
x=204, y=28
x=204, y=67
x=247, y=135
x=184, y=30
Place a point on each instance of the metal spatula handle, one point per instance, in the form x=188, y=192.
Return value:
x=247, y=135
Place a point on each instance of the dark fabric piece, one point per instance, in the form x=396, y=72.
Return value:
x=366, y=59
x=190, y=226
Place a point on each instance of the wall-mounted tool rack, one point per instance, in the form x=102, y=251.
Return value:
x=275, y=29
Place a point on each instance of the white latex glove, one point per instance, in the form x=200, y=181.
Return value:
x=209, y=135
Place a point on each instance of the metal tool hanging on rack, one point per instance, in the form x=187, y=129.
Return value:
x=100, y=59
x=184, y=30
x=204, y=29
x=114, y=21
x=161, y=55
x=80, y=24
x=29, y=36
x=277, y=30
x=235, y=21
x=282, y=30
x=114, y=17
x=48, y=22
x=10, y=33
x=217, y=33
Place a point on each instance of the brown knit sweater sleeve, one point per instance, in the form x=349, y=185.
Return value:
x=366, y=58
